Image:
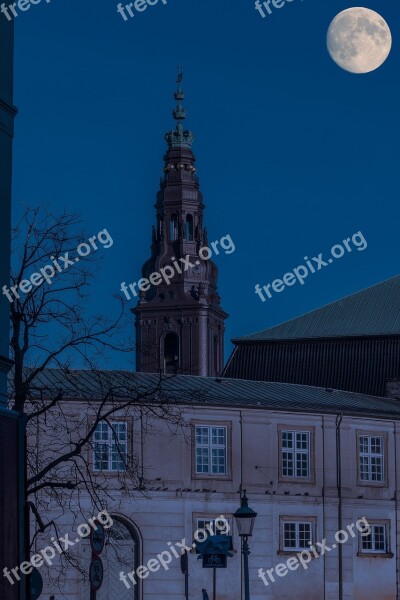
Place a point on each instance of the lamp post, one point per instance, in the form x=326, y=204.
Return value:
x=245, y=518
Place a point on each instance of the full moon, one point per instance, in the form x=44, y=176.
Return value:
x=359, y=40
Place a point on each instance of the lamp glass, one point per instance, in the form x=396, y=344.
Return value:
x=245, y=526
x=245, y=518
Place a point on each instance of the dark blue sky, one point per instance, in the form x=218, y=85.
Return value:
x=293, y=153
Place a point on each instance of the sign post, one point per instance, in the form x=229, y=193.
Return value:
x=96, y=569
x=214, y=551
x=185, y=571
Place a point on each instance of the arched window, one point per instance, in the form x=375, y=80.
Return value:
x=121, y=552
x=173, y=230
x=189, y=227
x=171, y=353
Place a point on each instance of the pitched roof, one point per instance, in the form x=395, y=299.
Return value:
x=208, y=391
x=370, y=312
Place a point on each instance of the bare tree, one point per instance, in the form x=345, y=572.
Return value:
x=50, y=329
x=49, y=323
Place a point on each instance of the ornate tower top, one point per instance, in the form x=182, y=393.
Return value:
x=178, y=138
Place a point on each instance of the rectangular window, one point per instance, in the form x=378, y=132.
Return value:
x=110, y=446
x=211, y=450
x=375, y=542
x=371, y=455
x=297, y=535
x=295, y=448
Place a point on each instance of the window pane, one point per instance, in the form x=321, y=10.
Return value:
x=363, y=444
x=289, y=535
x=287, y=439
x=367, y=542
x=376, y=445
x=288, y=464
x=202, y=435
x=218, y=436
x=202, y=461
x=379, y=531
x=218, y=460
x=304, y=535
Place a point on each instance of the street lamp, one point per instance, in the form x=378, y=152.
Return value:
x=245, y=518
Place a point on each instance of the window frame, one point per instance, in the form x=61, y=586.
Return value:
x=209, y=519
x=369, y=482
x=112, y=472
x=387, y=552
x=298, y=520
x=228, y=449
x=311, y=454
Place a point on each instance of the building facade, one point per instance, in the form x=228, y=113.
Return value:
x=314, y=463
x=179, y=320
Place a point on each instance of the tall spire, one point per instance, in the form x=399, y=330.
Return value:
x=179, y=322
x=179, y=138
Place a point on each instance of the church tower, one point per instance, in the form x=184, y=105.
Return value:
x=179, y=320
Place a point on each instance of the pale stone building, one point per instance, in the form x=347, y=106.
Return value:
x=313, y=462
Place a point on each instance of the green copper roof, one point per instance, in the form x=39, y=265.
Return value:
x=373, y=311
x=208, y=392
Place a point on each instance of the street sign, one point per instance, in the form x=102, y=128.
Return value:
x=35, y=584
x=214, y=561
x=215, y=544
x=96, y=573
x=97, y=538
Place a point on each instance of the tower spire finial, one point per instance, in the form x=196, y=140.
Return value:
x=179, y=138
x=179, y=112
x=180, y=75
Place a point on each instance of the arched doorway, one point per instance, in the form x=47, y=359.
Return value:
x=121, y=553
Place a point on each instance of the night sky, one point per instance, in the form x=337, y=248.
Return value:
x=294, y=154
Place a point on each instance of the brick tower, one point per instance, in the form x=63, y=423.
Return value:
x=180, y=325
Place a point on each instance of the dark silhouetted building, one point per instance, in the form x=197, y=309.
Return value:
x=11, y=432
x=352, y=344
x=179, y=320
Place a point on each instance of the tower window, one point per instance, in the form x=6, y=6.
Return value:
x=160, y=228
x=189, y=227
x=171, y=353
x=173, y=231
